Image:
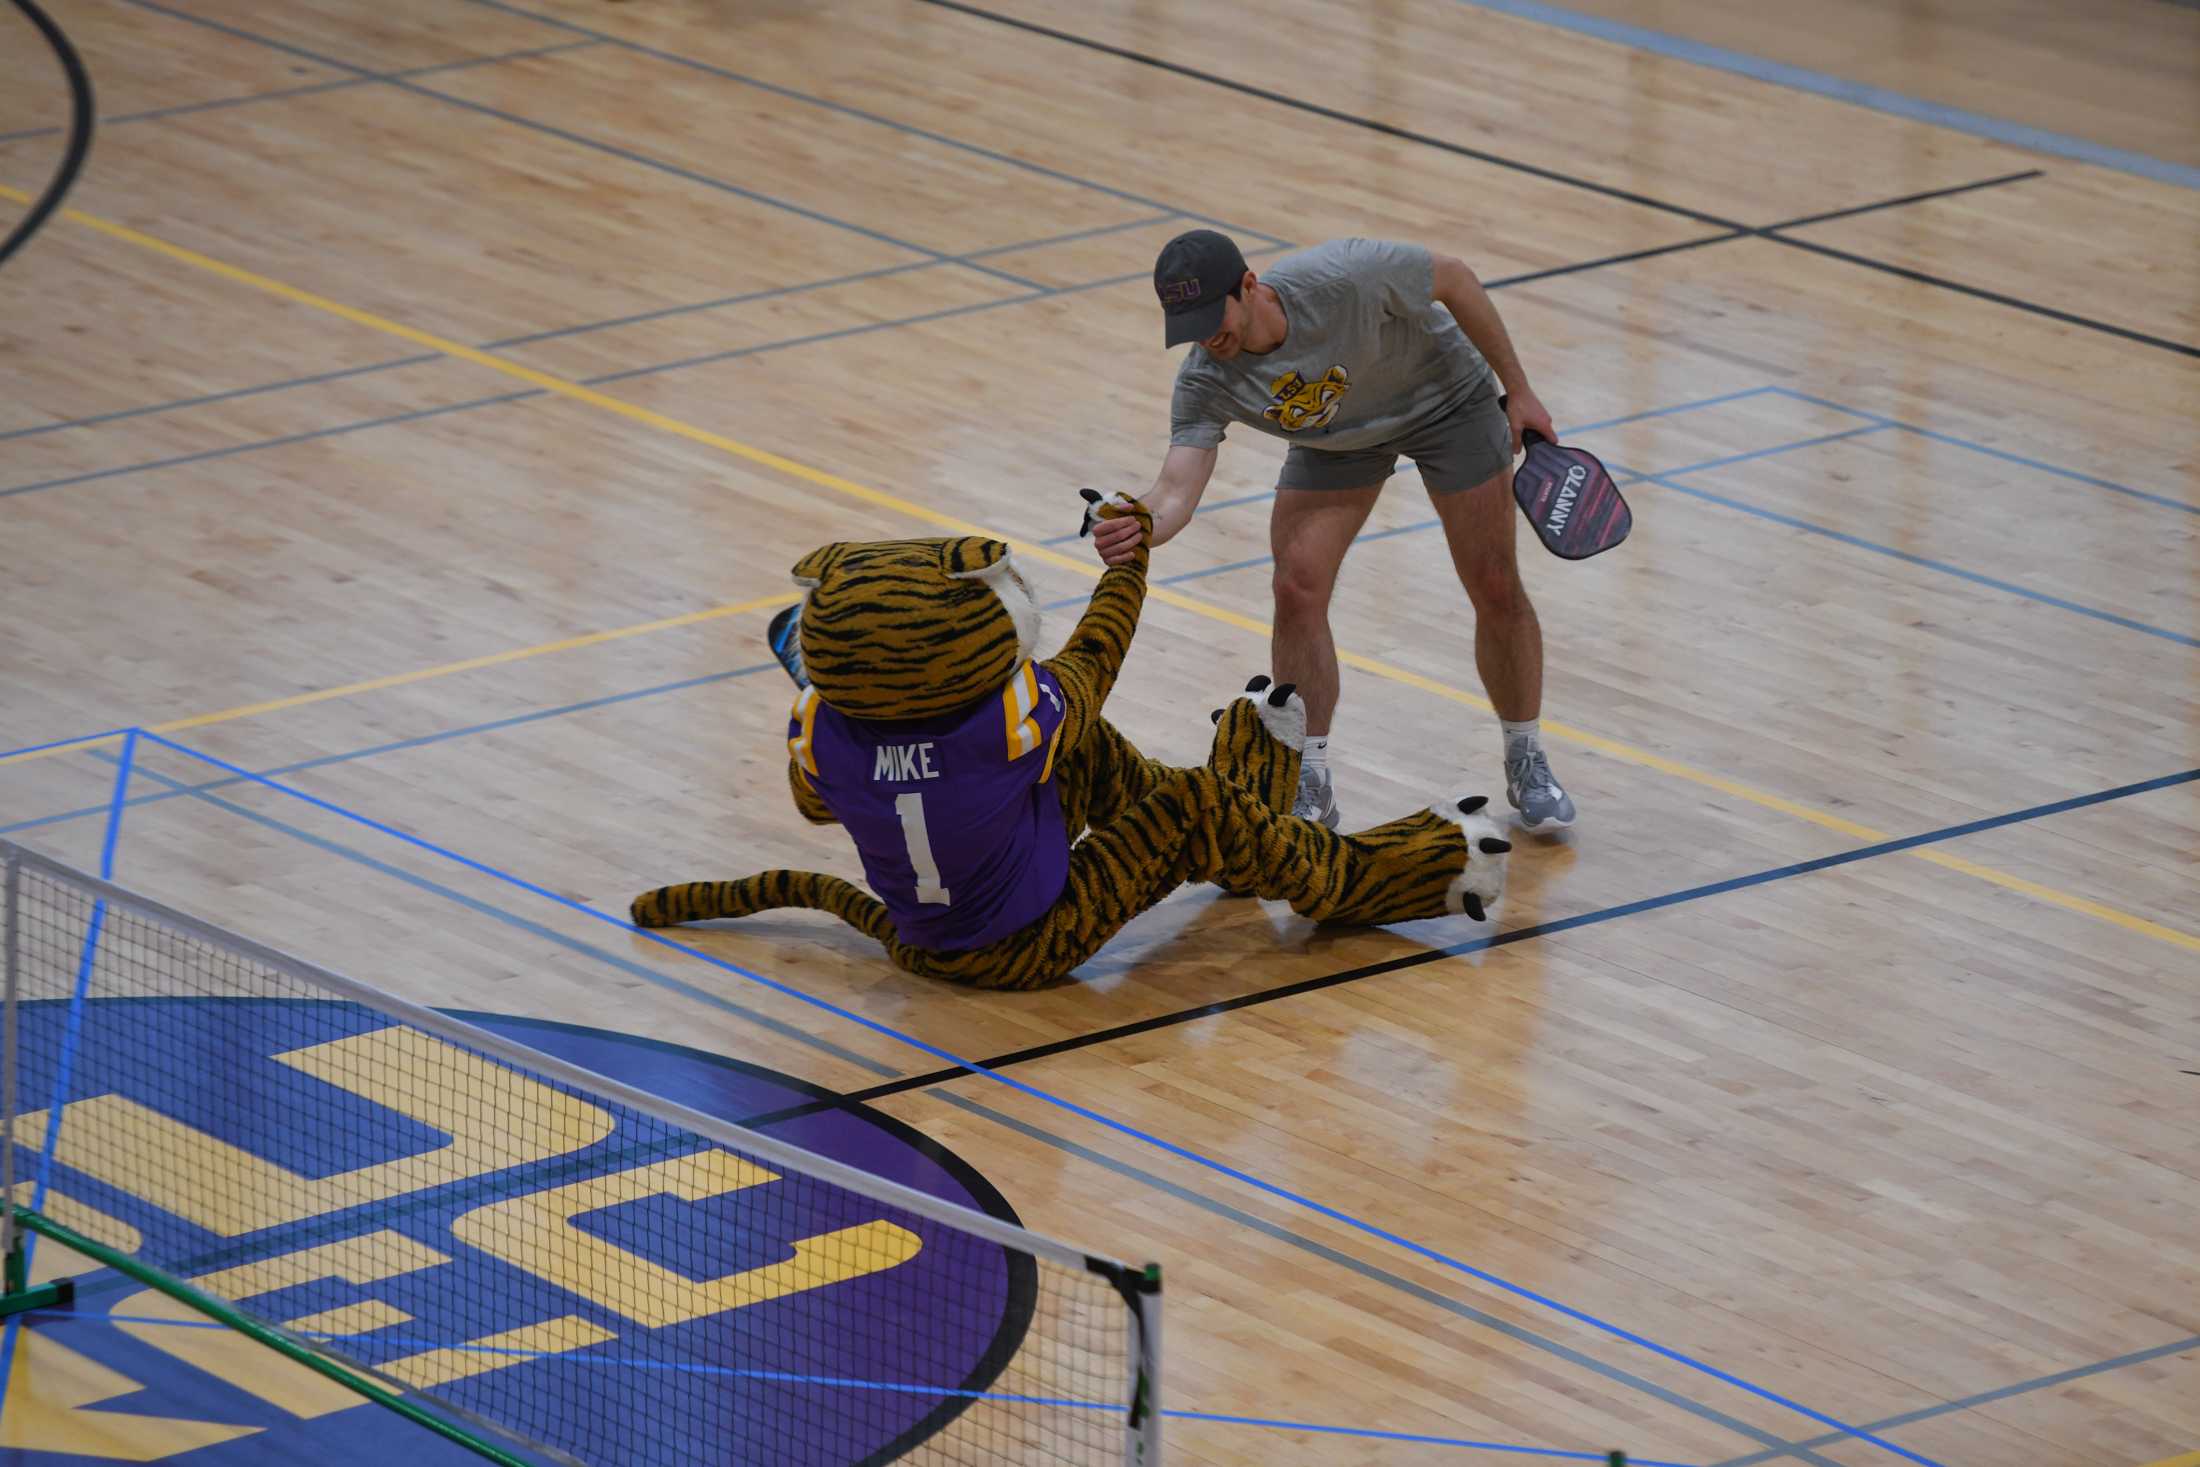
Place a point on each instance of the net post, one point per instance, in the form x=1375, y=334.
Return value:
x=19, y=1296
x=1141, y=1291
x=11, y=920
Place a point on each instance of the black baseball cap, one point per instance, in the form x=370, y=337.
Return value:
x=1194, y=275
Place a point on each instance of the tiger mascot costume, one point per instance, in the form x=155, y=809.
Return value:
x=1010, y=828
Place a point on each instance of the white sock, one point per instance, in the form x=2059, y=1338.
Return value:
x=1314, y=763
x=1523, y=737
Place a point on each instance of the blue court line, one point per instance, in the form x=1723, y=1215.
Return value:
x=1986, y=1398
x=63, y=743
x=990, y=154
x=1570, y=433
x=395, y=745
x=1841, y=89
x=1517, y=935
x=573, y=1357
x=512, y=919
x=1728, y=460
x=1669, y=479
x=286, y=93
x=1505, y=938
x=580, y=140
x=2010, y=587
x=1370, y=1271
x=72, y=1031
x=1123, y=1128
x=2003, y=454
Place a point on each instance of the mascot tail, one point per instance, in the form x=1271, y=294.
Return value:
x=700, y=901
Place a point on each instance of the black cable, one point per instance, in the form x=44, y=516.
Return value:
x=80, y=129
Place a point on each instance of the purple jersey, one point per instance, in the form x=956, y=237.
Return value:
x=956, y=817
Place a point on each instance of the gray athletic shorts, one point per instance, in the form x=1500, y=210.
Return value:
x=1458, y=451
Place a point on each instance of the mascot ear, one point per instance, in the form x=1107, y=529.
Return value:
x=813, y=568
x=989, y=562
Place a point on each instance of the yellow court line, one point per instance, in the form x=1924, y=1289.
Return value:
x=1612, y=748
x=2189, y=1459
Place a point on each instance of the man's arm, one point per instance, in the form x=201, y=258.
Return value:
x=1470, y=305
x=1176, y=493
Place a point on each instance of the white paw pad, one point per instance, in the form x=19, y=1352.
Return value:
x=1476, y=889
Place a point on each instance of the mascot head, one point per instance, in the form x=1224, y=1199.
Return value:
x=902, y=629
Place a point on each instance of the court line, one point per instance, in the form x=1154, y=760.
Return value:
x=1768, y=233
x=690, y=1367
x=1668, y=479
x=1571, y=432
x=849, y=488
x=506, y=917
x=1989, y=450
x=1300, y=104
x=1742, y=233
x=72, y=1032
x=1842, y=89
x=1984, y=1398
x=1365, y=1268
x=905, y=1083
x=2023, y=175
x=1107, y=1122
x=1979, y=292
x=1911, y=558
x=559, y=332
x=629, y=155
x=206, y=455
x=286, y=93
x=399, y=745
x=417, y=675
x=810, y=99
x=911, y=1083
x=556, y=333
x=624, y=374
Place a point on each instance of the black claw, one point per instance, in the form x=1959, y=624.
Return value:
x=1091, y=496
x=1216, y=717
x=1473, y=803
x=1474, y=908
x=1492, y=846
x=1282, y=695
x=1258, y=683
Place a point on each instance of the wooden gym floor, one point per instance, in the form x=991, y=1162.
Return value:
x=425, y=401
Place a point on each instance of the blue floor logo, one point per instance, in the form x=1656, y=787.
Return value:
x=505, y=1251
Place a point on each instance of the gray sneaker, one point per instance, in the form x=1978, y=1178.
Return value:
x=1534, y=792
x=1316, y=800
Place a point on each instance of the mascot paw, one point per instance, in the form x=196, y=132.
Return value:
x=1098, y=507
x=1281, y=711
x=1478, y=887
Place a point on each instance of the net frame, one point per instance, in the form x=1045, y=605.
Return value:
x=1138, y=1287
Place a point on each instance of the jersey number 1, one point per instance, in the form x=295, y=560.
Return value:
x=910, y=808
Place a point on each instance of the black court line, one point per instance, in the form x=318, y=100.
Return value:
x=1370, y=124
x=1763, y=230
x=1739, y=230
x=1597, y=264
x=909, y=1083
x=1997, y=297
x=1916, y=198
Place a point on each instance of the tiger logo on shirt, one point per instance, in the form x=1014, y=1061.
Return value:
x=1300, y=404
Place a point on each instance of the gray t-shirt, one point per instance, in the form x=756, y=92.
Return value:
x=1367, y=356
